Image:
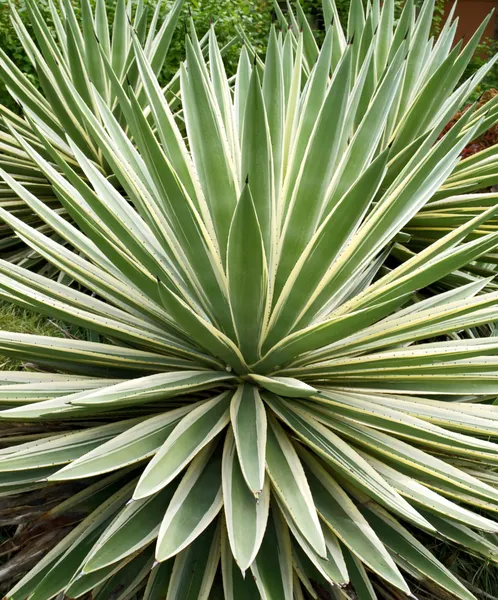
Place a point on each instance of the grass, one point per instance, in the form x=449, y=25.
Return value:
x=480, y=575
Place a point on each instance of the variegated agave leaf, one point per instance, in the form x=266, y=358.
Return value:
x=275, y=407
x=67, y=55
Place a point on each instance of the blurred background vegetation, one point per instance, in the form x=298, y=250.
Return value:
x=255, y=16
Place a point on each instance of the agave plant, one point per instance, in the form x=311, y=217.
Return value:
x=438, y=218
x=70, y=50
x=454, y=202
x=276, y=406
x=448, y=209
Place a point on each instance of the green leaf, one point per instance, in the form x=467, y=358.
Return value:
x=356, y=19
x=194, y=505
x=247, y=276
x=235, y=585
x=195, y=567
x=153, y=387
x=359, y=577
x=94, y=357
x=345, y=403
x=324, y=246
x=403, y=544
x=138, y=443
x=84, y=582
x=248, y=418
x=430, y=467
x=284, y=386
x=125, y=582
x=316, y=168
x=210, y=151
x=159, y=47
x=134, y=527
x=256, y=157
x=273, y=94
x=245, y=515
x=242, y=83
x=464, y=536
x=325, y=333
x=204, y=332
x=54, y=571
x=340, y=514
x=272, y=569
x=191, y=434
x=289, y=483
x=61, y=449
x=342, y=457
x=423, y=496
x=158, y=581
x=331, y=566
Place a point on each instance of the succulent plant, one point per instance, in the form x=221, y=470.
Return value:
x=67, y=55
x=275, y=400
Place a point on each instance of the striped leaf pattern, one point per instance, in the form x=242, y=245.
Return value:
x=288, y=279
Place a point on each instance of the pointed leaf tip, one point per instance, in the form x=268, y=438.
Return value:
x=284, y=386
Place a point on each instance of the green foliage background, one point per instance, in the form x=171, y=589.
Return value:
x=13, y=48
x=255, y=16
